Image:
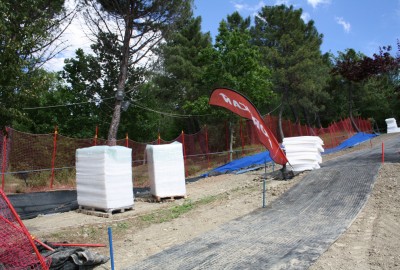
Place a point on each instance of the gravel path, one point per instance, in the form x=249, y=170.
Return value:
x=293, y=231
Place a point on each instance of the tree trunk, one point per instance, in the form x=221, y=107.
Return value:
x=353, y=123
x=307, y=118
x=123, y=74
x=295, y=115
x=112, y=132
x=280, y=123
x=318, y=119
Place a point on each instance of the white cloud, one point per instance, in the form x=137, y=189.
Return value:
x=54, y=64
x=73, y=38
x=306, y=16
x=245, y=7
x=282, y=2
x=342, y=22
x=315, y=3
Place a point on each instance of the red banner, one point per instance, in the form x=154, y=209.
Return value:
x=240, y=105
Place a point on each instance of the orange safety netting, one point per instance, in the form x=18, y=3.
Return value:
x=31, y=162
x=17, y=248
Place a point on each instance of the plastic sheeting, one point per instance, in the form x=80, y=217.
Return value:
x=104, y=177
x=392, y=125
x=30, y=205
x=235, y=165
x=303, y=152
x=353, y=141
x=263, y=157
x=65, y=258
x=166, y=170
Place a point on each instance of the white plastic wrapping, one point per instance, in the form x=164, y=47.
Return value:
x=166, y=170
x=104, y=177
x=392, y=125
x=304, y=152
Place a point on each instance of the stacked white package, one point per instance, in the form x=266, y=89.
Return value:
x=104, y=177
x=392, y=125
x=304, y=152
x=166, y=170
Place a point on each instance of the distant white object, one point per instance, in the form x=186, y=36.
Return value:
x=392, y=125
x=304, y=152
x=104, y=177
x=166, y=170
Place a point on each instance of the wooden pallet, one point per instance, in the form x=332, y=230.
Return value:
x=168, y=198
x=101, y=212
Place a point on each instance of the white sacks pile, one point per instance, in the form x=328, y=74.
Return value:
x=104, y=177
x=304, y=152
x=166, y=170
x=392, y=125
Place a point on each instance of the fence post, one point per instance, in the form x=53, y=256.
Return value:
x=184, y=152
x=95, y=136
x=53, y=160
x=4, y=163
x=330, y=133
x=241, y=137
x=207, y=150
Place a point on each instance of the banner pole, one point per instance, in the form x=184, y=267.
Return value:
x=264, y=188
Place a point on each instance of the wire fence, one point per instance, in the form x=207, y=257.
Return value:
x=38, y=162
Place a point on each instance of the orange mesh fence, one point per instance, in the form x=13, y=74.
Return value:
x=17, y=249
x=31, y=162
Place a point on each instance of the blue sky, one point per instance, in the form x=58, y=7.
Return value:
x=363, y=25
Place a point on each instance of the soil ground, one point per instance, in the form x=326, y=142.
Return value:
x=371, y=242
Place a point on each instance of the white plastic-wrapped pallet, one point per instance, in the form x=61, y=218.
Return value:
x=166, y=170
x=104, y=177
x=392, y=125
x=304, y=152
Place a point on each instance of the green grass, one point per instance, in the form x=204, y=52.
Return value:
x=165, y=215
x=98, y=233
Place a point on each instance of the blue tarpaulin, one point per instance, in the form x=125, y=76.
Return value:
x=241, y=163
x=263, y=157
x=350, y=142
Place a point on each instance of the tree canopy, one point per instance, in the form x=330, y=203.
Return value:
x=291, y=48
x=140, y=26
x=29, y=36
x=154, y=55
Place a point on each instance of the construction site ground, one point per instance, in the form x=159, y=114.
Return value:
x=230, y=229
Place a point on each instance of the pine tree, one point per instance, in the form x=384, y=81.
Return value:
x=291, y=48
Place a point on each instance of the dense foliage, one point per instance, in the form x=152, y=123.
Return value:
x=29, y=32
x=156, y=55
x=291, y=47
